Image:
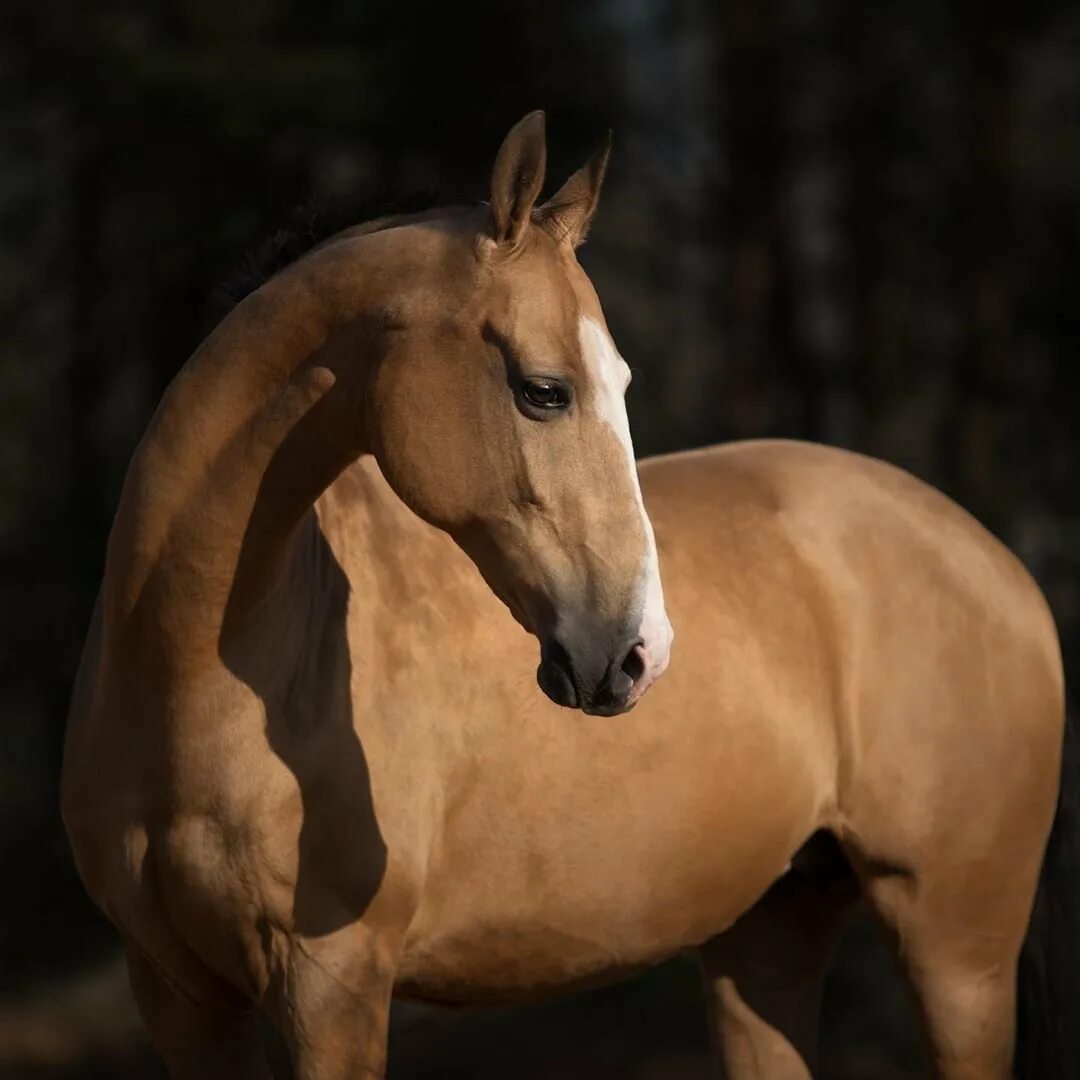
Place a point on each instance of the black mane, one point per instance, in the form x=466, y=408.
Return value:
x=308, y=226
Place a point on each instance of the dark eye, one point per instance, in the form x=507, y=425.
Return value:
x=546, y=393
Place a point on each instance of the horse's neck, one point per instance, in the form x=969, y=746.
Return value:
x=248, y=435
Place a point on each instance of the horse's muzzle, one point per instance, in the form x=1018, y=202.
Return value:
x=600, y=681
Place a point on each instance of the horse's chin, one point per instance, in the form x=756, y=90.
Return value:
x=608, y=710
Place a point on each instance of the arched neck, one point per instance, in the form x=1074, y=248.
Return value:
x=254, y=428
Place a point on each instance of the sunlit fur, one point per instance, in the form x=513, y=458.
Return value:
x=308, y=766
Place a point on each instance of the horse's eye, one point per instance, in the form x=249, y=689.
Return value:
x=546, y=393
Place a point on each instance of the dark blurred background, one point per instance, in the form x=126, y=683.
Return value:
x=856, y=223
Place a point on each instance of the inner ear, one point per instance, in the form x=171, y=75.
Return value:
x=517, y=178
x=569, y=212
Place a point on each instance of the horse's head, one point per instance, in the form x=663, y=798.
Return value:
x=498, y=414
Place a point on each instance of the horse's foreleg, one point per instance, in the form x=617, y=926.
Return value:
x=197, y=1043
x=764, y=977
x=333, y=1005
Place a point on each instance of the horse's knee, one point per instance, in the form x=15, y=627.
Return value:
x=333, y=1005
x=196, y=1042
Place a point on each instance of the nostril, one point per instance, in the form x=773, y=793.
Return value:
x=556, y=675
x=633, y=664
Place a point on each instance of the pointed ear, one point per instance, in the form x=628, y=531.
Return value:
x=569, y=212
x=517, y=178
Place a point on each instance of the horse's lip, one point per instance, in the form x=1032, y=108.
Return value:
x=609, y=710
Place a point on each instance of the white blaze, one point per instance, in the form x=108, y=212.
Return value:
x=611, y=376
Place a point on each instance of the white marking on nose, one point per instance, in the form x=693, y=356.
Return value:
x=611, y=375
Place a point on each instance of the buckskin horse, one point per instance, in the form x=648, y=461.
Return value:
x=306, y=769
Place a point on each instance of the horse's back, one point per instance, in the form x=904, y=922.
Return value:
x=852, y=516
x=945, y=659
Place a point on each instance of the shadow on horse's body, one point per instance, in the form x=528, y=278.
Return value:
x=306, y=770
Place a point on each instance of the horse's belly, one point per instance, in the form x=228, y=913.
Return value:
x=510, y=961
x=514, y=931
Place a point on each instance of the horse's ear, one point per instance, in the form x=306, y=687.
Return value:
x=569, y=212
x=517, y=178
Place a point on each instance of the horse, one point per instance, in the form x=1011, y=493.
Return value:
x=305, y=769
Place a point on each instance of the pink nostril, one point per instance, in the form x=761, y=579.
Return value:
x=636, y=663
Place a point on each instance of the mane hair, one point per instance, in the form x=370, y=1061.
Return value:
x=309, y=224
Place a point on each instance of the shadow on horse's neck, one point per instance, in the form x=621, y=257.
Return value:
x=260, y=421
x=310, y=432
x=218, y=559
x=299, y=664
